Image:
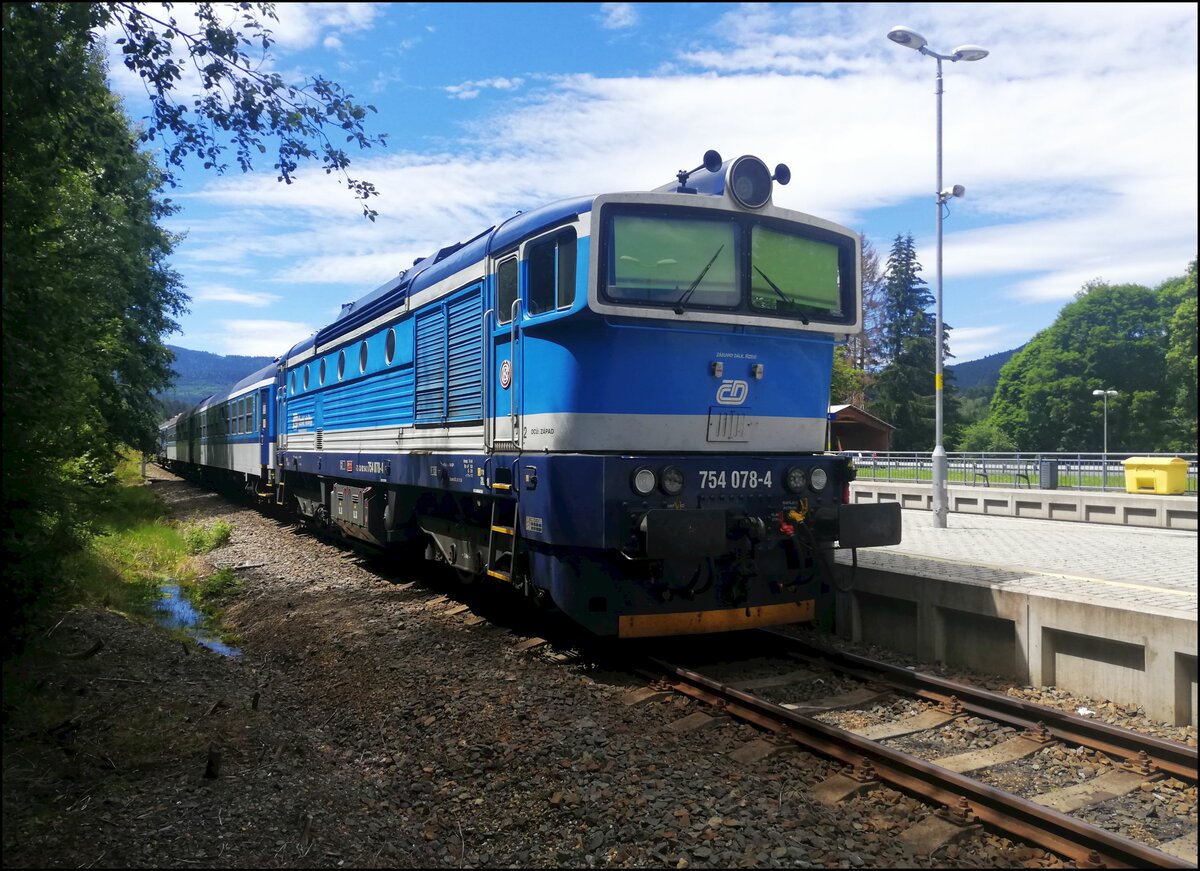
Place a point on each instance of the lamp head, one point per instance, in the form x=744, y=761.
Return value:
x=907, y=37
x=969, y=52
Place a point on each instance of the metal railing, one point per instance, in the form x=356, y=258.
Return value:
x=1034, y=470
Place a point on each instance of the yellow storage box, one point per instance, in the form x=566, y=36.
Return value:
x=1164, y=476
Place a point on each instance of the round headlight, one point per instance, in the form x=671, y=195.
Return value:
x=750, y=182
x=672, y=481
x=818, y=479
x=643, y=482
x=795, y=479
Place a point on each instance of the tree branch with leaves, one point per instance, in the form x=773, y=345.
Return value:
x=242, y=107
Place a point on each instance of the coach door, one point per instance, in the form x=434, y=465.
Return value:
x=264, y=445
x=505, y=393
x=194, y=438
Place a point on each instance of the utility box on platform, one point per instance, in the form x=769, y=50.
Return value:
x=1047, y=474
x=1163, y=476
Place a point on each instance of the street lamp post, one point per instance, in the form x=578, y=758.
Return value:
x=1104, y=474
x=909, y=38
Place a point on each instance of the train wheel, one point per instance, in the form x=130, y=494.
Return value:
x=466, y=577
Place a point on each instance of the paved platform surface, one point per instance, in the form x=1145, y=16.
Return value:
x=1131, y=567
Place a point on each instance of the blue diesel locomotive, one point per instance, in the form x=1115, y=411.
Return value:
x=616, y=403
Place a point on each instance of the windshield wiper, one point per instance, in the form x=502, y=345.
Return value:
x=782, y=296
x=703, y=272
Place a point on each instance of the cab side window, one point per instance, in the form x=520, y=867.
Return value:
x=551, y=270
x=506, y=289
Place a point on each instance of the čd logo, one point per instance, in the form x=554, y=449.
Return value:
x=732, y=392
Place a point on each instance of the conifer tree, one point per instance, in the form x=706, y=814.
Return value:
x=903, y=394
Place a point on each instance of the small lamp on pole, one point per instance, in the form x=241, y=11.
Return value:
x=909, y=38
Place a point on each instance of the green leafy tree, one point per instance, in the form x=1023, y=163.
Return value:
x=983, y=435
x=862, y=357
x=1109, y=337
x=88, y=293
x=847, y=379
x=1178, y=296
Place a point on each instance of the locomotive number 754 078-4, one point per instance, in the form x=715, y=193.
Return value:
x=738, y=479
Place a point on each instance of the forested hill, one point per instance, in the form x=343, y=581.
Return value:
x=200, y=374
x=985, y=371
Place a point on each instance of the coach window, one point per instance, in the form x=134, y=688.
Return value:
x=551, y=273
x=241, y=413
x=389, y=348
x=362, y=357
x=506, y=289
x=250, y=413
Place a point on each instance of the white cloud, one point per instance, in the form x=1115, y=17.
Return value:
x=470, y=90
x=221, y=293
x=301, y=25
x=618, y=16
x=251, y=338
x=971, y=343
x=1077, y=146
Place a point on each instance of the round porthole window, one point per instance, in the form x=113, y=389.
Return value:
x=362, y=357
x=305, y=377
x=341, y=365
x=322, y=378
x=293, y=382
x=390, y=347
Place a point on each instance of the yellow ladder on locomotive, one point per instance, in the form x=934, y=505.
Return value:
x=503, y=538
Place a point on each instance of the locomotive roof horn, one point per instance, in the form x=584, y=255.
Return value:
x=712, y=162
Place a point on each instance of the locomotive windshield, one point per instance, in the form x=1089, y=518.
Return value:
x=792, y=276
x=733, y=263
x=657, y=260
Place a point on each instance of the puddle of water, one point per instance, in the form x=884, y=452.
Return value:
x=174, y=611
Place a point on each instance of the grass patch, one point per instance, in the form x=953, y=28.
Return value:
x=203, y=539
x=206, y=593
x=136, y=548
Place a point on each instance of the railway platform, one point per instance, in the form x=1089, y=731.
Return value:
x=1099, y=610
x=1112, y=506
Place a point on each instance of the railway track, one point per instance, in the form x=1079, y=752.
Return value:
x=962, y=801
x=955, y=784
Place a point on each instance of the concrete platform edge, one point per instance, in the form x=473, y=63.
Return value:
x=1143, y=656
x=1122, y=509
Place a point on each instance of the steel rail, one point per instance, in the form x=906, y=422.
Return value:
x=1168, y=756
x=1025, y=819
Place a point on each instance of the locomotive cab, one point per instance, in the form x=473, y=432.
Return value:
x=682, y=411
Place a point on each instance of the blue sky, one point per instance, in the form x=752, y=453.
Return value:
x=1076, y=140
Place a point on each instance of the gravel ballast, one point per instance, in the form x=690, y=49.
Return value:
x=370, y=721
